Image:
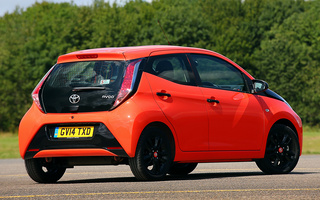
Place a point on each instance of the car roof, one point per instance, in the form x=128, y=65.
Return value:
x=125, y=53
x=135, y=52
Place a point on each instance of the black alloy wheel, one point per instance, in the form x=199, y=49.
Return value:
x=43, y=171
x=153, y=155
x=282, y=151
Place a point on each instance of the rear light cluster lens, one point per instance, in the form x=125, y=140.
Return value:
x=35, y=92
x=128, y=81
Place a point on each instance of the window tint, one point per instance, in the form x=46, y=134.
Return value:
x=172, y=67
x=92, y=73
x=217, y=73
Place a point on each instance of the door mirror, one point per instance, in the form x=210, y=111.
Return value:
x=259, y=86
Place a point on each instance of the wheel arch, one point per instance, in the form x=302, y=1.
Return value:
x=167, y=131
x=287, y=123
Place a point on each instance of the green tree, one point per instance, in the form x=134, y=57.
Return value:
x=289, y=60
x=275, y=40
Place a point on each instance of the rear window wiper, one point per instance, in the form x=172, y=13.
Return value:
x=76, y=89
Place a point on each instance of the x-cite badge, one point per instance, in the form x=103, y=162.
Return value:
x=74, y=98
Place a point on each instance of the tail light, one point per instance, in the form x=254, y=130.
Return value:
x=35, y=92
x=128, y=81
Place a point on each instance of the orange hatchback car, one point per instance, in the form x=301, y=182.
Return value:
x=160, y=109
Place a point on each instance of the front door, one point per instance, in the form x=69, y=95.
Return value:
x=236, y=119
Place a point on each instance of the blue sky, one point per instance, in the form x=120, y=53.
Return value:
x=10, y=5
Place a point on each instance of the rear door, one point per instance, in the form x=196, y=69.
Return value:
x=182, y=102
x=236, y=119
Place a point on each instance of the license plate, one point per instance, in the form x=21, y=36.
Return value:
x=73, y=132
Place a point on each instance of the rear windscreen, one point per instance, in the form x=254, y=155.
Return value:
x=95, y=83
x=97, y=73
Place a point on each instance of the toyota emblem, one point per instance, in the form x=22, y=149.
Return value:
x=74, y=99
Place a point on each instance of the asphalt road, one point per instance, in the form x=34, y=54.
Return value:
x=208, y=181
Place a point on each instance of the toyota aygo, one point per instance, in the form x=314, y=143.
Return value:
x=159, y=109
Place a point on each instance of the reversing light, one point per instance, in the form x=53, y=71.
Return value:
x=35, y=92
x=128, y=81
x=87, y=56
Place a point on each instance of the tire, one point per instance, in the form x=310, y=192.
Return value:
x=153, y=157
x=282, y=151
x=182, y=168
x=44, y=172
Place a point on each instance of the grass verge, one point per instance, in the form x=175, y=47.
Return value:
x=9, y=147
x=311, y=140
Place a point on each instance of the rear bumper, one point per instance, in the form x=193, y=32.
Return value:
x=103, y=143
x=72, y=153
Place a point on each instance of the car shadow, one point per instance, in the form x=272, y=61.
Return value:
x=192, y=176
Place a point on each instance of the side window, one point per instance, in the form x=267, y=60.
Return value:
x=170, y=67
x=217, y=73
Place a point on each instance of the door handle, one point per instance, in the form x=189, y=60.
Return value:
x=213, y=101
x=162, y=94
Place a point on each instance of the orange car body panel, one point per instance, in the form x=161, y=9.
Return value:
x=280, y=111
x=194, y=143
x=236, y=111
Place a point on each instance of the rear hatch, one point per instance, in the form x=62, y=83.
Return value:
x=86, y=86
